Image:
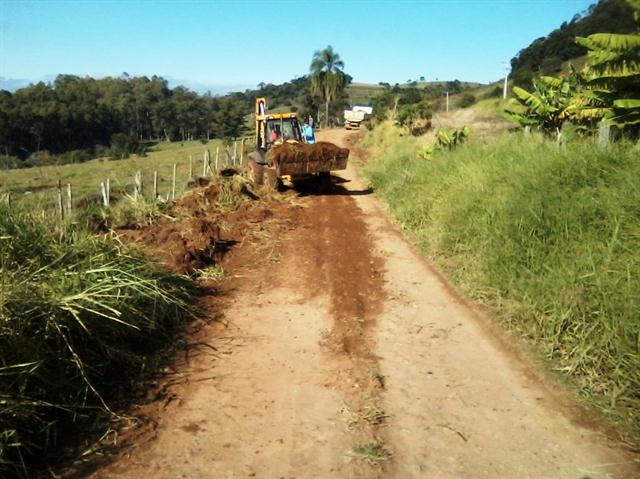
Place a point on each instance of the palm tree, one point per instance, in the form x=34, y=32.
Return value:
x=327, y=77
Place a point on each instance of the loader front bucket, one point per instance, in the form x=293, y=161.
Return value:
x=302, y=158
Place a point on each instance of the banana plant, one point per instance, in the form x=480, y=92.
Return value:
x=607, y=89
x=612, y=78
x=625, y=112
x=450, y=139
x=546, y=106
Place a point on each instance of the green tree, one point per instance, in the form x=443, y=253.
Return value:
x=327, y=76
x=410, y=115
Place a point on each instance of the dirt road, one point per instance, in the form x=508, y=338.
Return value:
x=342, y=354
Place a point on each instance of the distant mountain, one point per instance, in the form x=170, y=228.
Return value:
x=12, y=84
x=546, y=55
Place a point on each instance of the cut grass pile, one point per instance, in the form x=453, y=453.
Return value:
x=548, y=237
x=82, y=320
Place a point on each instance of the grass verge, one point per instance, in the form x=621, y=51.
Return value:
x=82, y=321
x=548, y=237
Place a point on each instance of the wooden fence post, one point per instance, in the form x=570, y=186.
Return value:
x=173, y=183
x=217, y=156
x=60, y=206
x=155, y=185
x=190, y=167
x=209, y=162
x=235, y=151
x=103, y=191
x=69, y=198
x=204, y=164
x=137, y=192
x=241, y=151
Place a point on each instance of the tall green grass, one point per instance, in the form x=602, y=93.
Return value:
x=82, y=320
x=547, y=236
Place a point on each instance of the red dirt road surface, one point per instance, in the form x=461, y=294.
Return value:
x=339, y=352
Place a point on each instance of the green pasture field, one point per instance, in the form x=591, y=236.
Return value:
x=37, y=186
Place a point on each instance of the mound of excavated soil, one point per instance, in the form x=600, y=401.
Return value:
x=198, y=201
x=184, y=246
x=197, y=232
x=302, y=152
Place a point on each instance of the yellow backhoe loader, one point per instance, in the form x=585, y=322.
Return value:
x=281, y=152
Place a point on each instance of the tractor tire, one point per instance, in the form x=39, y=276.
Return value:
x=255, y=172
x=270, y=179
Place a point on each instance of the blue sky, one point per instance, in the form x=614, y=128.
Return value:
x=230, y=45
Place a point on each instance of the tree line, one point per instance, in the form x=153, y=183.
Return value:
x=546, y=55
x=73, y=119
x=74, y=113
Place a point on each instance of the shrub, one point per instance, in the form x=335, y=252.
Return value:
x=495, y=92
x=123, y=145
x=74, y=156
x=410, y=116
x=8, y=162
x=42, y=158
x=467, y=100
x=101, y=151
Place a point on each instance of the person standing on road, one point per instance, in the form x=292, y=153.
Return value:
x=309, y=135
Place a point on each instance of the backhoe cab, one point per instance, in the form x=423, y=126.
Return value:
x=274, y=131
x=276, y=128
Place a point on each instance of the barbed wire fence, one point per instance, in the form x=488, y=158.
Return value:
x=63, y=202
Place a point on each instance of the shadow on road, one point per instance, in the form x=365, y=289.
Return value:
x=332, y=186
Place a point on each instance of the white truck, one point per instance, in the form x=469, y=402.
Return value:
x=355, y=116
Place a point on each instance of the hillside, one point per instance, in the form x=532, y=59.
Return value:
x=545, y=55
x=364, y=93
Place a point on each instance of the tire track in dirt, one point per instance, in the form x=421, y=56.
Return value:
x=337, y=256
x=336, y=252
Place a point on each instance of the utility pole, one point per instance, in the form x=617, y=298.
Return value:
x=506, y=82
